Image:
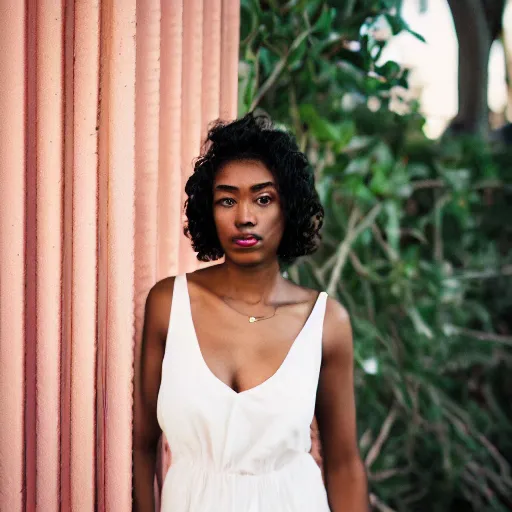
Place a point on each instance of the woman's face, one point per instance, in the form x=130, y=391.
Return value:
x=247, y=212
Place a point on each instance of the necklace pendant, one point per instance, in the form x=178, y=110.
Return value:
x=252, y=319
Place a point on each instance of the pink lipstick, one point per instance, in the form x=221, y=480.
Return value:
x=249, y=241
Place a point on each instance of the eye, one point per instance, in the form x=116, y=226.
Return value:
x=226, y=201
x=264, y=200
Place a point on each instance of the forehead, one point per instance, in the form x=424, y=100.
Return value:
x=241, y=173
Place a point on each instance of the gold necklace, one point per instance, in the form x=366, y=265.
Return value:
x=252, y=319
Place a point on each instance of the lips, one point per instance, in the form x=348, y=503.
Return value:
x=247, y=241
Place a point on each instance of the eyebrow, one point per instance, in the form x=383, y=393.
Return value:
x=254, y=188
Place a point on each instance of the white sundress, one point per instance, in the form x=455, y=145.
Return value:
x=239, y=452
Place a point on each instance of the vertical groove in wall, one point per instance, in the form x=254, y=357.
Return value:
x=48, y=134
x=190, y=106
x=147, y=111
x=84, y=230
x=12, y=252
x=210, y=106
x=120, y=254
x=147, y=117
x=229, y=58
x=169, y=174
x=67, y=261
x=102, y=311
x=30, y=262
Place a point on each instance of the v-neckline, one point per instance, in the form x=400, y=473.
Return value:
x=268, y=379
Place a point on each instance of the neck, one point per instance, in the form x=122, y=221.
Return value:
x=251, y=284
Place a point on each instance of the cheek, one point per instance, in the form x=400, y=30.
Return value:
x=276, y=221
x=221, y=218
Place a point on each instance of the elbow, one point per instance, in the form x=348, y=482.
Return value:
x=347, y=485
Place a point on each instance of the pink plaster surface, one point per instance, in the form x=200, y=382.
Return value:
x=12, y=253
x=103, y=106
x=48, y=254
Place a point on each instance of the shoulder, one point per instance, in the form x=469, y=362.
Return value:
x=337, y=332
x=158, y=305
x=161, y=290
x=202, y=277
x=298, y=294
x=203, y=282
x=335, y=314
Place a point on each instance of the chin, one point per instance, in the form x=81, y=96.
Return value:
x=247, y=259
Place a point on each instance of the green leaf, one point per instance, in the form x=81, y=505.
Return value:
x=346, y=130
x=358, y=143
x=322, y=129
x=379, y=183
x=390, y=70
x=359, y=166
x=324, y=23
x=457, y=178
x=398, y=24
x=415, y=34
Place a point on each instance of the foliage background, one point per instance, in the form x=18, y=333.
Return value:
x=417, y=246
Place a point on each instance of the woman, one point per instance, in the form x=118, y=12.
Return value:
x=236, y=359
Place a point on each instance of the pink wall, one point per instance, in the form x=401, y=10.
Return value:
x=102, y=108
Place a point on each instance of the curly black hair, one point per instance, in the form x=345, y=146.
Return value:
x=255, y=137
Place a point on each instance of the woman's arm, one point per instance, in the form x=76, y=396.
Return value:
x=146, y=430
x=344, y=471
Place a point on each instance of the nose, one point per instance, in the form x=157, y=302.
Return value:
x=245, y=214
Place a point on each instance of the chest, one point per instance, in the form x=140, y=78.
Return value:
x=241, y=354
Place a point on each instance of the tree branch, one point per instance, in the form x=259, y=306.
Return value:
x=272, y=79
x=344, y=248
x=483, y=336
x=381, y=439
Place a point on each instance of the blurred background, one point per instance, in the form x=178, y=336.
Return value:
x=404, y=108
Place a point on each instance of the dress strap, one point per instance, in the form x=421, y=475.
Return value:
x=178, y=310
x=178, y=297
x=313, y=337
x=315, y=321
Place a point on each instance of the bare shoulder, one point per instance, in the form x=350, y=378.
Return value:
x=335, y=313
x=301, y=294
x=158, y=305
x=203, y=278
x=337, y=334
